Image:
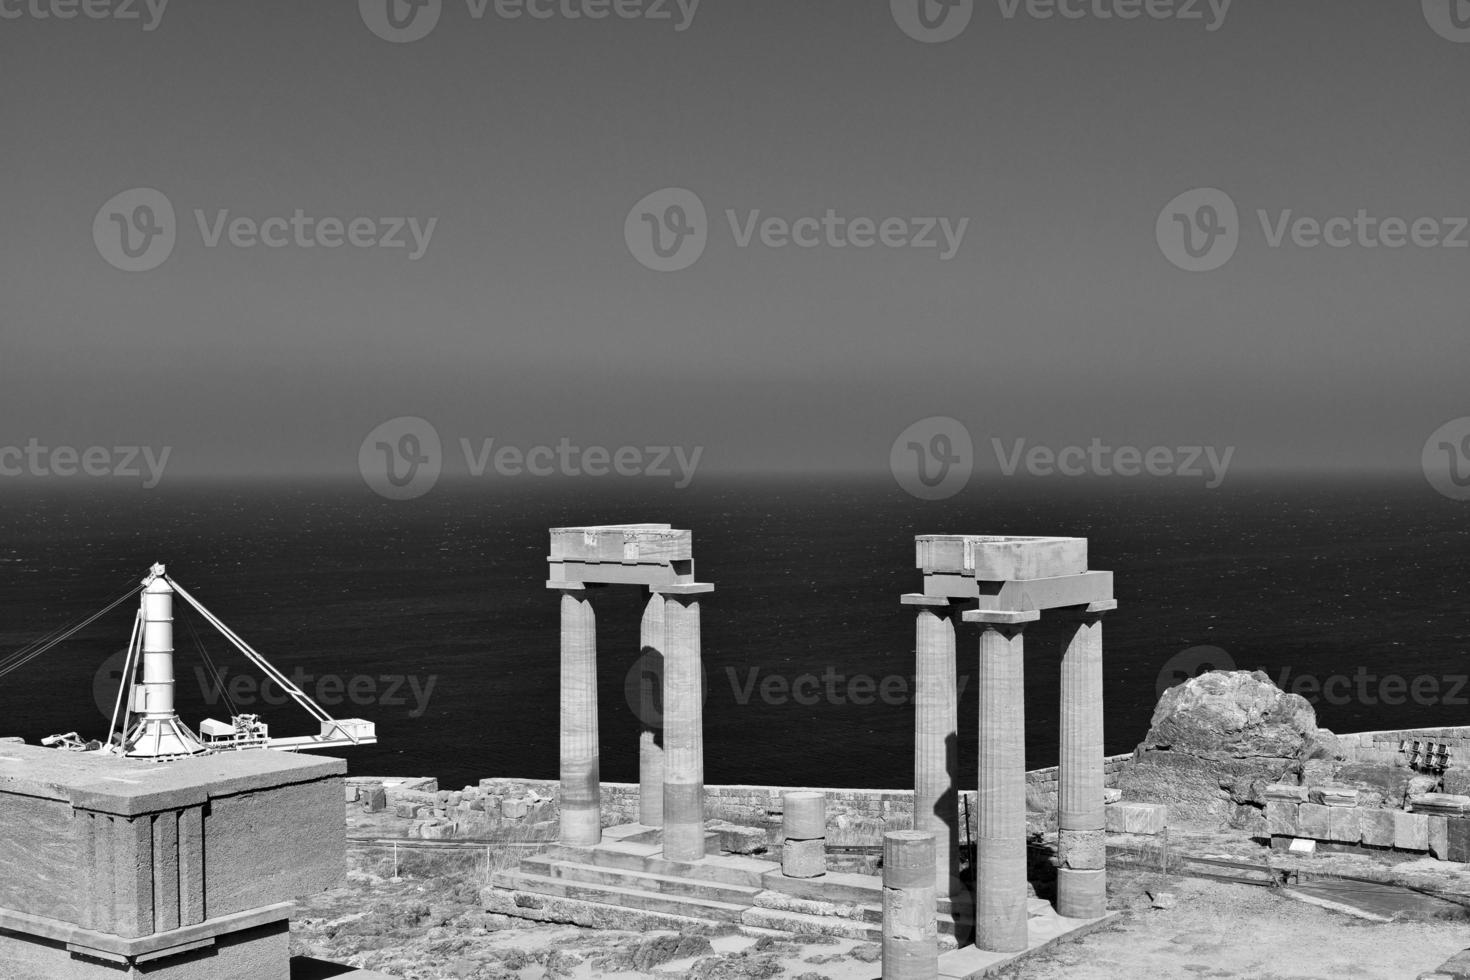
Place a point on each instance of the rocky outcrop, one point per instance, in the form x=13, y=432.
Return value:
x=1216, y=741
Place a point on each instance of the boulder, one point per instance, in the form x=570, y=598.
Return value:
x=1216, y=744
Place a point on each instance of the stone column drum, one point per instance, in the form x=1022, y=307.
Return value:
x=1000, y=902
x=683, y=731
x=1082, y=845
x=804, y=834
x=650, y=708
x=936, y=741
x=581, y=787
x=910, y=927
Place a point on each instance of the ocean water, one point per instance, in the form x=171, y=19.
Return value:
x=434, y=614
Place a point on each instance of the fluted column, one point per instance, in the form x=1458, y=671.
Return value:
x=936, y=738
x=650, y=713
x=1000, y=901
x=581, y=791
x=910, y=926
x=1081, y=838
x=683, y=730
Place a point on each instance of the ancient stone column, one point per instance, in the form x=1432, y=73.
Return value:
x=1000, y=901
x=910, y=929
x=1081, y=840
x=581, y=790
x=804, y=834
x=650, y=711
x=936, y=740
x=683, y=731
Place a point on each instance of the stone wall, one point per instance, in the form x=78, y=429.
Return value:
x=500, y=807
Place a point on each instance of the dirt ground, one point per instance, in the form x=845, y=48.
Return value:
x=1223, y=930
x=428, y=926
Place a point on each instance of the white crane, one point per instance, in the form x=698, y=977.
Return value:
x=144, y=721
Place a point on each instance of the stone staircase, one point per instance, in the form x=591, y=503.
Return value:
x=626, y=883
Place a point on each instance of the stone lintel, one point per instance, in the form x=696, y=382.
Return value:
x=683, y=588
x=109, y=947
x=920, y=599
x=992, y=617
x=621, y=572
x=1042, y=593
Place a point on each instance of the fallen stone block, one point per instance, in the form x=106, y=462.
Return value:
x=735, y=839
x=514, y=809
x=1378, y=827
x=1343, y=822
x=1339, y=796
x=1457, y=839
x=374, y=799
x=1316, y=821
x=1136, y=818
x=1439, y=837
x=1410, y=831
x=1285, y=792
x=1281, y=818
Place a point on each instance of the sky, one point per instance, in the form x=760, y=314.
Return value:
x=521, y=148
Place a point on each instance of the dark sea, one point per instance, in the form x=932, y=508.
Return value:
x=431, y=617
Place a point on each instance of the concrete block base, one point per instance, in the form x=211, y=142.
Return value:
x=259, y=953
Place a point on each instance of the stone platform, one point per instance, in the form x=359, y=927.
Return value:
x=625, y=882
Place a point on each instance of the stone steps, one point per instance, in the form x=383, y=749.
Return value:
x=647, y=858
x=644, y=881
x=628, y=898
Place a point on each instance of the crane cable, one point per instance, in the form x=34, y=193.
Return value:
x=219, y=680
x=33, y=650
